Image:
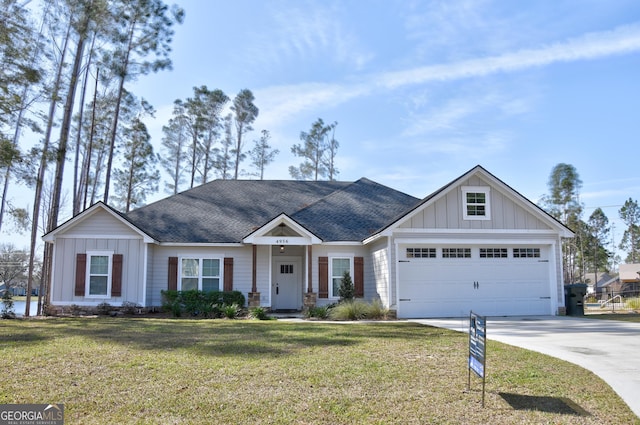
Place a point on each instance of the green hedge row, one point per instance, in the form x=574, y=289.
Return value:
x=199, y=303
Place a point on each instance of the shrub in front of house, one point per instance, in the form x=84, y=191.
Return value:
x=350, y=310
x=258, y=313
x=104, y=309
x=200, y=303
x=317, y=312
x=358, y=310
x=346, y=290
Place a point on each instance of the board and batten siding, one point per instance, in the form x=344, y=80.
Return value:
x=377, y=273
x=159, y=267
x=100, y=223
x=447, y=212
x=66, y=250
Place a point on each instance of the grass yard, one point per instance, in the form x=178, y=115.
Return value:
x=170, y=371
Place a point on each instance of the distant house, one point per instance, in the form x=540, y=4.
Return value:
x=476, y=243
x=596, y=281
x=630, y=279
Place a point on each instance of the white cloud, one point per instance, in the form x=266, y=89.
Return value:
x=625, y=39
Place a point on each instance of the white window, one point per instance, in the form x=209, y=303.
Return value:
x=98, y=283
x=526, y=252
x=493, y=252
x=339, y=265
x=475, y=201
x=200, y=274
x=456, y=252
x=421, y=253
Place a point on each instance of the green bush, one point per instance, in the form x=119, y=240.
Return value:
x=7, y=306
x=258, y=313
x=377, y=310
x=231, y=311
x=358, y=310
x=199, y=303
x=350, y=310
x=346, y=291
x=317, y=312
x=633, y=303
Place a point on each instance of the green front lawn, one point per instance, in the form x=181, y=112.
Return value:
x=165, y=371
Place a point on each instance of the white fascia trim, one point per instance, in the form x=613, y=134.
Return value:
x=550, y=232
x=469, y=241
x=341, y=243
x=282, y=218
x=110, y=236
x=387, y=233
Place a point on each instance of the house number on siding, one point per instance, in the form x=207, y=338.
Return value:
x=282, y=241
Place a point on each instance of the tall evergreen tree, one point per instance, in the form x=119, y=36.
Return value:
x=174, y=143
x=563, y=203
x=245, y=113
x=599, y=225
x=262, y=153
x=142, y=38
x=313, y=151
x=138, y=176
x=630, y=215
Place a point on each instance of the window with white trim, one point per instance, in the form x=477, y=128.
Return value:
x=421, y=253
x=98, y=283
x=526, y=252
x=201, y=274
x=338, y=266
x=493, y=252
x=475, y=201
x=456, y=252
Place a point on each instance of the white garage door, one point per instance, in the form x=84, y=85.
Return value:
x=437, y=281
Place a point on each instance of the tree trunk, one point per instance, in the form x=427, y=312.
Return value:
x=40, y=178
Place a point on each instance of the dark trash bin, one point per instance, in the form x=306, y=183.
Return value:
x=574, y=298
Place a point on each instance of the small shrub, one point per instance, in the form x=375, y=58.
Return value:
x=129, y=307
x=633, y=303
x=350, y=310
x=231, y=311
x=258, y=313
x=317, y=312
x=7, y=306
x=346, y=291
x=377, y=310
x=75, y=309
x=104, y=308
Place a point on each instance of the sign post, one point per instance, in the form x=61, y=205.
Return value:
x=477, y=348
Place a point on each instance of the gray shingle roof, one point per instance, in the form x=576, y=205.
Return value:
x=225, y=211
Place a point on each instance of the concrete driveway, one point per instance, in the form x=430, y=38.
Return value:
x=610, y=349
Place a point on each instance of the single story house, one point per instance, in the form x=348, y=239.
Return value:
x=476, y=243
x=630, y=279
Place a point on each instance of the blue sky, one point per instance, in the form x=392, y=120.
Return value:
x=425, y=90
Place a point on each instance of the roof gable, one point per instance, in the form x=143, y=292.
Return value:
x=99, y=220
x=444, y=209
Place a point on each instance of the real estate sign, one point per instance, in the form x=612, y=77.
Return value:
x=477, y=347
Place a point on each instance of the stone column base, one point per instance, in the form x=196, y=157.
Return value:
x=310, y=300
x=562, y=311
x=254, y=299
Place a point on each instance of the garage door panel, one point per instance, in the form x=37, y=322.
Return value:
x=437, y=287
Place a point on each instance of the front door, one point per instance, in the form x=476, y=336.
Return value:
x=287, y=285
